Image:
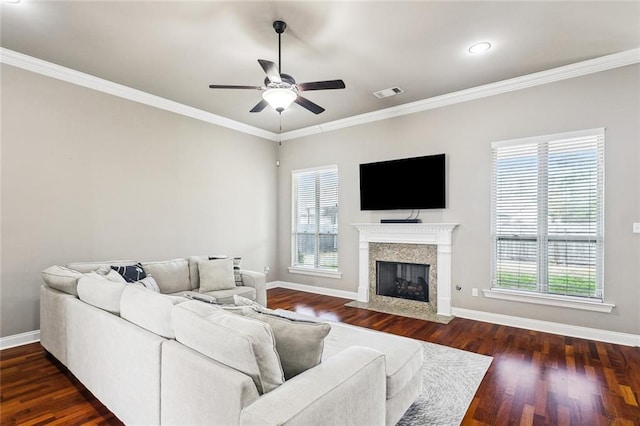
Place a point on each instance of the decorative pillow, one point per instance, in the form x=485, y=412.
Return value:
x=299, y=343
x=149, y=283
x=243, y=301
x=131, y=273
x=236, y=270
x=62, y=279
x=112, y=275
x=244, y=344
x=216, y=275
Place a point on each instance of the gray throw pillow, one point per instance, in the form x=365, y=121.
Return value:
x=299, y=343
x=216, y=274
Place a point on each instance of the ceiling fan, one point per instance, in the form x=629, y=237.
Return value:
x=280, y=89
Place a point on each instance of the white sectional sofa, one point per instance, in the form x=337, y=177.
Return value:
x=160, y=358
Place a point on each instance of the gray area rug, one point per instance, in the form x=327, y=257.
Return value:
x=450, y=379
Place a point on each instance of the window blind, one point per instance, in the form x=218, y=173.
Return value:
x=315, y=218
x=547, y=214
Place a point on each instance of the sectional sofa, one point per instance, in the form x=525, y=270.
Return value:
x=156, y=357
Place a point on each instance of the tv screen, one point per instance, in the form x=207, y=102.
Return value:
x=409, y=183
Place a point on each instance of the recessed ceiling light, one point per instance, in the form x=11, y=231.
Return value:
x=480, y=47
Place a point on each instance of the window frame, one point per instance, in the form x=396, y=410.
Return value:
x=316, y=269
x=542, y=238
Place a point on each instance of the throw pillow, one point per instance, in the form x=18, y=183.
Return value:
x=131, y=273
x=216, y=274
x=149, y=283
x=236, y=270
x=299, y=343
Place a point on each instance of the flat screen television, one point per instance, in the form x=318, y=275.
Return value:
x=405, y=184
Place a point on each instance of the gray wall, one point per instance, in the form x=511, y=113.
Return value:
x=88, y=176
x=464, y=132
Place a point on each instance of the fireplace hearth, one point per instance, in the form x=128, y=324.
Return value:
x=403, y=280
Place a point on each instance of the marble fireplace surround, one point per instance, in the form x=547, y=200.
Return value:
x=438, y=234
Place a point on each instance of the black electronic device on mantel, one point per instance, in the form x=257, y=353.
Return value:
x=416, y=183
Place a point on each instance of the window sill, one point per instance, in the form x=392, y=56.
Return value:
x=550, y=300
x=325, y=273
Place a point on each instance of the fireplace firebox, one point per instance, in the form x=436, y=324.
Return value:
x=402, y=280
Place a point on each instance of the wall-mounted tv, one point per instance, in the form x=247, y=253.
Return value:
x=405, y=184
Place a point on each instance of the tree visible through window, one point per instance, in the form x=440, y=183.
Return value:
x=547, y=206
x=315, y=218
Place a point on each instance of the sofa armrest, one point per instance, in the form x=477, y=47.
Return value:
x=348, y=388
x=257, y=280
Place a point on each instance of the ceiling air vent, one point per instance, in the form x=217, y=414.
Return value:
x=385, y=93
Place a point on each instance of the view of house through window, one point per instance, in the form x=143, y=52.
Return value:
x=547, y=214
x=315, y=218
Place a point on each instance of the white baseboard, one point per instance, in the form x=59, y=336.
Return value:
x=550, y=327
x=19, y=339
x=314, y=289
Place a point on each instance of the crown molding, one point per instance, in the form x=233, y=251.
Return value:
x=578, y=69
x=69, y=75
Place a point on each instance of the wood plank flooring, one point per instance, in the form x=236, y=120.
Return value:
x=535, y=378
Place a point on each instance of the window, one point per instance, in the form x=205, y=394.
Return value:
x=315, y=219
x=547, y=214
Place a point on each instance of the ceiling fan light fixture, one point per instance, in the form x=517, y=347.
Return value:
x=279, y=98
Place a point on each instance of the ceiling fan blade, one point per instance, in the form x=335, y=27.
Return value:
x=230, y=86
x=322, y=85
x=271, y=70
x=259, y=106
x=306, y=103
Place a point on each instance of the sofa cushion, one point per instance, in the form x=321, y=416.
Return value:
x=171, y=275
x=98, y=291
x=403, y=356
x=216, y=274
x=149, y=310
x=62, y=279
x=85, y=267
x=299, y=343
x=131, y=273
x=244, y=344
x=226, y=296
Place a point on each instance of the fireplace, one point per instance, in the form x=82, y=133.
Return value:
x=416, y=243
x=403, y=280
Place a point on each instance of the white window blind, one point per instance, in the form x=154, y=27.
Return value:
x=315, y=218
x=547, y=214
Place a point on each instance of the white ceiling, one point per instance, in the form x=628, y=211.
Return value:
x=176, y=49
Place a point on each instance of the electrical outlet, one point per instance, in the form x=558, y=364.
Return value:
x=636, y=228
x=266, y=270
x=474, y=292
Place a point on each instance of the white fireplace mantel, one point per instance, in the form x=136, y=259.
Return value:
x=438, y=234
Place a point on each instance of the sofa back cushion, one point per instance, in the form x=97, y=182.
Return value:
x=62, y=279
x=244, y=344
x=85, y=267
x=149, y=310
x=172, y=276
x=98, y=291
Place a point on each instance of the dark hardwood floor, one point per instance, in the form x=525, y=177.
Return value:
x=535, y=378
